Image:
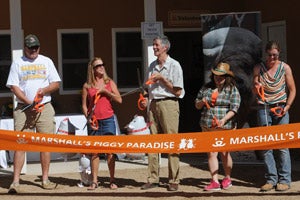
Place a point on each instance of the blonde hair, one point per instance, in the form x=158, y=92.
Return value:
x=91, y=80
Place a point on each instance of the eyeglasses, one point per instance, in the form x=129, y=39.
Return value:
x=99, y=65
x=273, y=55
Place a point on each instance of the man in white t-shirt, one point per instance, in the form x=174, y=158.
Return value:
x=33, y=75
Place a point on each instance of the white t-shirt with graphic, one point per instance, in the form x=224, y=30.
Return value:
x=30, y=75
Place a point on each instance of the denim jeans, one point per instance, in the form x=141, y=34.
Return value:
x=277, y=162
x=106, y=127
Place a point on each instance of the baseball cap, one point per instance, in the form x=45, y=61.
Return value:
x=31, y=41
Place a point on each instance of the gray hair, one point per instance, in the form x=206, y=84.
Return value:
x=164, y=41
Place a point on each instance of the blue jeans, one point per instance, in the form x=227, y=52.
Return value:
x=106, y=127
x=277, y=162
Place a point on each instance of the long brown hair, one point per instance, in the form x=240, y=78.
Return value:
x=229, y=81
x=91, y=80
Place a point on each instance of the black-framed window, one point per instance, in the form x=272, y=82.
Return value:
x=75, y=51
x=5, y=61
x=129, y=59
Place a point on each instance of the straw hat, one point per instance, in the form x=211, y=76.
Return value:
x=222, y=69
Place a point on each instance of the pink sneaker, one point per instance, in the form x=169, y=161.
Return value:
x=226, y=183
x=212, y=186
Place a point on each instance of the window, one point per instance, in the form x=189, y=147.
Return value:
x=5, y=62
x=75, y=49
x=128, y=58
x=275, y=31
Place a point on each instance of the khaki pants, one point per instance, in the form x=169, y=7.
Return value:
x=29, y=120
x=164, y=116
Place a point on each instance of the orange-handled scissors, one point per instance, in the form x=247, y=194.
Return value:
x=36, y=104
x=261, y=92
x=215, y=121
x=39, y=107
x=150, y=80
x=96, y=98
x=142, y=91
x=94, y=122
x=214, y=97
x=141, y=99
x=278, y=111
x=91, y=118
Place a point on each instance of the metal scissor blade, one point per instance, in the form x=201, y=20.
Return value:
x=88, y=118
x=139, y=89
x=91, y=113
x=26, y=107
x=140, y=81
x=131, y=92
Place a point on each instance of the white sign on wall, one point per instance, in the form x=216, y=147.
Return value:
x=151, y=29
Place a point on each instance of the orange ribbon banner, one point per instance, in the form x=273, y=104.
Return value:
x=271, y=137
